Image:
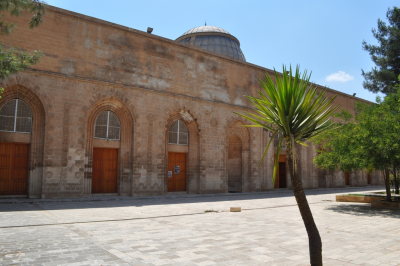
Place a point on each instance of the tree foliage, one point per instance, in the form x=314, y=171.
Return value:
x=295, y=111
x=334, y=146
x=369, y=141
x=13, y=59
x=385, y=55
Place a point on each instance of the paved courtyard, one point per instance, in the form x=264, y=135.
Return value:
x=177, y=230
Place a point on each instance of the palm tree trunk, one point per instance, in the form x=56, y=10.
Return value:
x=314, y=239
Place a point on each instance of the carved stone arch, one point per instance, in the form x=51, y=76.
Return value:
x=237, y=141
x=193, y=157
x=39, y=142
x=125, y=156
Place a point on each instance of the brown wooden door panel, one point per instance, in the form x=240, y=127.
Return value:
x=347, y=178
x=171, y=180
x=280, y=181
x=110, y=170
x=105, y=170
x=14, y=168
x=5, y=167
x=282, y=175
x=97, y=170
x=177, y=182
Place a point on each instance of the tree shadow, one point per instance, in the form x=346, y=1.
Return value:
x=363, y=210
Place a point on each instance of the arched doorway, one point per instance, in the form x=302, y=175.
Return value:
x=35, y=138
x=105, y=159
x=235, y=181
x=178, y=143
x=188, y=127
x=16, y=123
x=109, y=148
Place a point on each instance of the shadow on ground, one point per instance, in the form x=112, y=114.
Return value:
x=115, y=202
x=363, y=210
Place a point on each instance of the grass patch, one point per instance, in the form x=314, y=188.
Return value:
x=210, y=211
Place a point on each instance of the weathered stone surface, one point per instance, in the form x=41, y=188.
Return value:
x=148, y=82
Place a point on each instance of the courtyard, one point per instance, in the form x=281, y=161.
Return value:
x=181, y=229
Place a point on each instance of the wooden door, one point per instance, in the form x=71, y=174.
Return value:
x=14, y=168
x=347, y=178
x=105, y=170
x=280, y=181
x=176, y=171
x=282, y=174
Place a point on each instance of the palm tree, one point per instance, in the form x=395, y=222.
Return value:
x=295, y=111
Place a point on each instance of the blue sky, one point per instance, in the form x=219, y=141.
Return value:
x=322, y=36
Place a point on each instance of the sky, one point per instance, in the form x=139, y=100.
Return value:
x=324, y=37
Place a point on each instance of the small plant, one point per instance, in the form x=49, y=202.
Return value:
x=210, y=211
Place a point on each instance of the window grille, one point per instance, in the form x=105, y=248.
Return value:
x=107, y=126
x=16, y=116
x=178, y=133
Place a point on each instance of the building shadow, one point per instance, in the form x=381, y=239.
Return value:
x=363, y=210
x=116, y=202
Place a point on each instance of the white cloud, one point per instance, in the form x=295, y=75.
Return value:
x=339, y=76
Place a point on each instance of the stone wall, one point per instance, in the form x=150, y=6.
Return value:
x=148, y=82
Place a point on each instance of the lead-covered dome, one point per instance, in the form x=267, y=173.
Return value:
x=213, y=39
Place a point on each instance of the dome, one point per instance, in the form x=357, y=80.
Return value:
x=202, y=29
x=213, y=39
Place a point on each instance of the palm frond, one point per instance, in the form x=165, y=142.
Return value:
x=292, y=106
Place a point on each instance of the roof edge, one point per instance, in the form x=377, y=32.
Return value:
x=172, y=42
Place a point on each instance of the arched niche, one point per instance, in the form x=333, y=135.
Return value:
x=35, y=138
x=124, y=145
x=237, y=158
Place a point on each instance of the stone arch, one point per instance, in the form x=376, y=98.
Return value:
x=193, y=157
x=37, y=136
x=125, y=155
x=238, y=140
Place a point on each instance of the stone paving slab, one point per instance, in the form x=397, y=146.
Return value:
x=177, y=231
x=85, y=210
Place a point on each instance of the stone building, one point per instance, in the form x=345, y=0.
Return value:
x=115, y=110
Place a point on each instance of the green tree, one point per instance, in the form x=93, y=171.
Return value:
x=12, y=59
x=371, y=141
x=336, y=147
x=385, y=55
x=295, y=111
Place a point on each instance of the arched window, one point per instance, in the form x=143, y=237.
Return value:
x=178, y=133
x=107, y=126
x=16, y=116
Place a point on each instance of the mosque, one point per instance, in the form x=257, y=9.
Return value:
x=112, y=110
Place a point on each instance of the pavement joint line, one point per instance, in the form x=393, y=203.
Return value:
x=144, y=218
